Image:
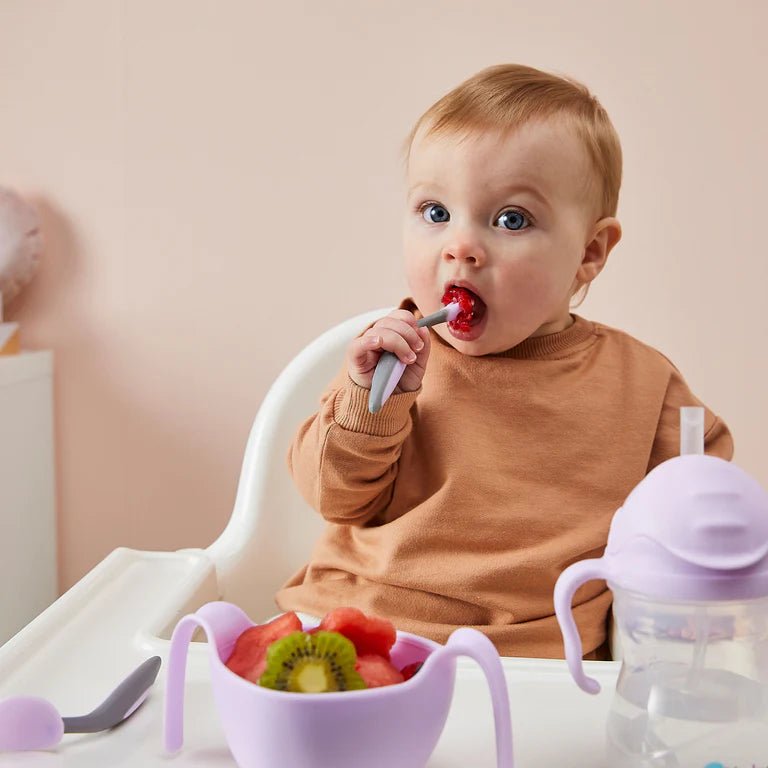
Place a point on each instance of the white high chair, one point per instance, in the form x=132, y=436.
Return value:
x=125, y=609
x=272, y=528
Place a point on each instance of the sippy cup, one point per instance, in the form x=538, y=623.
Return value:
x=687, y=562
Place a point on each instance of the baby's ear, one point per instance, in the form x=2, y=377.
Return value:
x=605, y=234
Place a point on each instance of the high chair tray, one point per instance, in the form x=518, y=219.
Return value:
x=123, y=612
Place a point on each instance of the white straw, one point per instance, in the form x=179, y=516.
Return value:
x=691, y=430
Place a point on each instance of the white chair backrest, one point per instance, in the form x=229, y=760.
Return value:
x=272, y=529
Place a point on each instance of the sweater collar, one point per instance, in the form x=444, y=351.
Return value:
x=553, y=344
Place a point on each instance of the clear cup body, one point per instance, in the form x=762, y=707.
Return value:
x=693, y=687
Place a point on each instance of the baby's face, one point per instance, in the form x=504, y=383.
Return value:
x=508, y=218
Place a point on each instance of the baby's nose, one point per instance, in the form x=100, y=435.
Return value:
x=464, y=249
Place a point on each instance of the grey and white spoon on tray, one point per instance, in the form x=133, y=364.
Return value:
x=30, y=722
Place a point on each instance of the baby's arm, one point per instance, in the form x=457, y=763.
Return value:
x=717, y=436
x=344, y=460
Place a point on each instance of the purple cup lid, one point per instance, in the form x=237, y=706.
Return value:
x=695, y=528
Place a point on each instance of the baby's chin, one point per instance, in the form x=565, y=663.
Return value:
x=485, y=343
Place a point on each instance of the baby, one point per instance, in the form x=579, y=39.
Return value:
x=517, y=430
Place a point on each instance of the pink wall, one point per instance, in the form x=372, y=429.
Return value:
x=219, y=182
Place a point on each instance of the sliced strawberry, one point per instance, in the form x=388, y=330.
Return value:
x=368, y=633
x=377, y=671
x=409, y=670
x=248, y=658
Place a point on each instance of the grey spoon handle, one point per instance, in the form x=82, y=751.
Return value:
x=121, y=703
x=390, y=368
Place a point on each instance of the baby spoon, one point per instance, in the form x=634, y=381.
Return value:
x=28, y=722
x=390, y=368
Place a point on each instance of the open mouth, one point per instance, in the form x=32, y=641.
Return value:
x=472, y=312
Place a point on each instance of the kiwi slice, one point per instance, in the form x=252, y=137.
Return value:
x=318, y=663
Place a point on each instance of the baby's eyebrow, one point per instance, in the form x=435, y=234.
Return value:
x=526, y=189
x=428, y=184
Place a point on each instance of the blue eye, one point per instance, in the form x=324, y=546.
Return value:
x=435, y=214
x=513, y=220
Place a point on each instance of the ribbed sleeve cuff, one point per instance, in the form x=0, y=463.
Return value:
x=350, y=411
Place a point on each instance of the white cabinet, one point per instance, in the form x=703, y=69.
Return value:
x=28, y=569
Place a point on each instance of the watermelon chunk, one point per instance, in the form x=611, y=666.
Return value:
x=369, y=634
x=249, y=656
x=377, y=671
x=409, y=670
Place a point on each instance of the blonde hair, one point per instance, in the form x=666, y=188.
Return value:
x=506, y=96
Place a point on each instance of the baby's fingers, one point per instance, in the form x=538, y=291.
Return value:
x=393, y=342
x=364, y=349
x=405, y=328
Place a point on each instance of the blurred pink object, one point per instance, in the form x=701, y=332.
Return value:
x=20, y=244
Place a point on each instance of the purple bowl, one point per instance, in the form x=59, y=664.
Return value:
x=396, y=725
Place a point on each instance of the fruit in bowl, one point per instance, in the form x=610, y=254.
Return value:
x=249, y=656
x=347, y=651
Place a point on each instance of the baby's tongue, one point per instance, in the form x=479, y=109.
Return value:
x=471, y=305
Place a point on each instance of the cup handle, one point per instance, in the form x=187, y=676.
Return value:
x=565, y=588
x=469, y=642
x=218, y=620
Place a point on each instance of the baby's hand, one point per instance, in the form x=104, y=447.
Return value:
x=396, y=333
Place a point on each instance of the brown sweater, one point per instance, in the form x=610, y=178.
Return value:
x=460, y=504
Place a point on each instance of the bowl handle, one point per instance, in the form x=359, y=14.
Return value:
x=222, y=623
x=469, y=642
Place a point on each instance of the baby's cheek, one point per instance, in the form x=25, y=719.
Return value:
x=529, y=285
x=420, y=278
